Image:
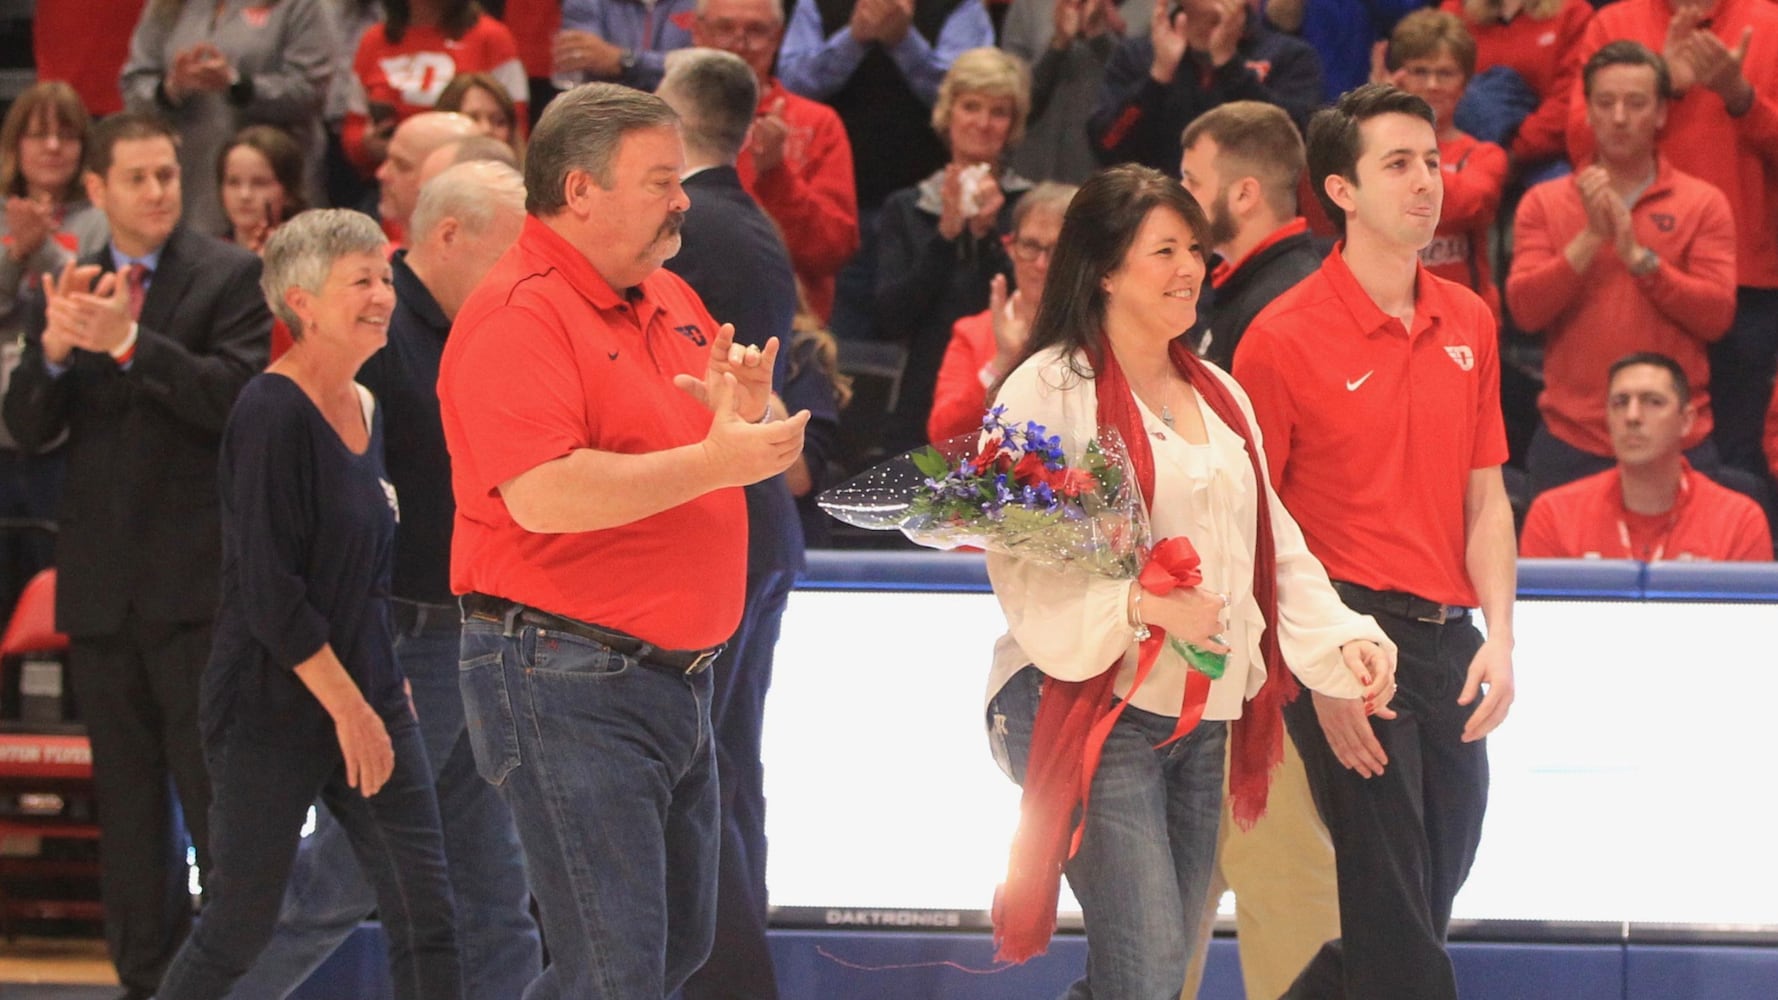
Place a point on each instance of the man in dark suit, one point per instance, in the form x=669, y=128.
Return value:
x=137, y=355
x=732, y=256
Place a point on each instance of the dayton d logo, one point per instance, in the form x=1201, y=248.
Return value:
x=1462, y=355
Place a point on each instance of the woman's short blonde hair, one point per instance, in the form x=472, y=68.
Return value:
x=992, y=73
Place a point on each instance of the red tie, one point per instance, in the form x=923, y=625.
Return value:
x=135, y=277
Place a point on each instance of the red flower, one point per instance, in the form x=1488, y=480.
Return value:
x=1073, y=482
x=1030, y=471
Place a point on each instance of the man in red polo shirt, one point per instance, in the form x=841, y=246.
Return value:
x=1653, y=505
x=600, y=427
x=798, y=163
x=1630, y=254
x=1376, y=385
x=1722, y=127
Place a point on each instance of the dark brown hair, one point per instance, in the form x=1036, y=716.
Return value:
x=1097, y=231
x=1335, y=143
x=279, y=150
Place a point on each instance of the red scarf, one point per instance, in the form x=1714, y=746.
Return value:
x=1069, y=731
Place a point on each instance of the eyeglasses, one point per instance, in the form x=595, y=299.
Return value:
x=1029, y=250
x=65, y=135
x=750, y=36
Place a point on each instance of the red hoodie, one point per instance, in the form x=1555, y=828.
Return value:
x=1737, y=155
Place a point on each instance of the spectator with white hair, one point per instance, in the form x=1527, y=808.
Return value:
x=465, y=219
x=303, y=693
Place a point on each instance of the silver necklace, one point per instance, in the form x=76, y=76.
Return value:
x=1166, y=415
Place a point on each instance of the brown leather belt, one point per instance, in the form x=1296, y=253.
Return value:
x=678, y=661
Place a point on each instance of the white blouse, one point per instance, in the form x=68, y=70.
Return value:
x=1072, y=624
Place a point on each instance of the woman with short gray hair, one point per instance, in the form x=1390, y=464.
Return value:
x=302, y=695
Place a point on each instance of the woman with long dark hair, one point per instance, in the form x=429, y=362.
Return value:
x=1104, y=353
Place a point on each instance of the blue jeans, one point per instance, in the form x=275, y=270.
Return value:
x=609, y=769
x=1150, y=844
x=328, y=896
x=261, y=792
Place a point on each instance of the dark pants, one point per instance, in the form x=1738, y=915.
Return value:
x=138, y=694
x=740, y=963
x=1742, y=364
x=1403, y=841
x=29, y=488
x=328, y=896
x=263, y=791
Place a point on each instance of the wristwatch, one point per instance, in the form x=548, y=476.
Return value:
x=626, y=60
x=1646, y=263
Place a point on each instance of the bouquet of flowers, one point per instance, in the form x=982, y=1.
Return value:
x=1013, y=489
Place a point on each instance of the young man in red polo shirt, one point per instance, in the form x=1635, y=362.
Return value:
x=1376, y=385
x=1722, y=127
x=1653, y=505
x=1630, y=254
x=601, y=427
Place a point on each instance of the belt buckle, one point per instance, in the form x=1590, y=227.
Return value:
x=702, y=660
x=1443, y=615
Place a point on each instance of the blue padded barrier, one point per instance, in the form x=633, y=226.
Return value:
x=1701, y=973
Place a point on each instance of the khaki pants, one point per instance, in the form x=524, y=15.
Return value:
x=1286, y=893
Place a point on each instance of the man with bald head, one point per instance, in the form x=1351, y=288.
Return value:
x=399, y=176
x=465, y=218
x=469, y=149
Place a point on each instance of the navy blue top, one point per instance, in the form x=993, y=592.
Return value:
x=404, y=378
x=307, y=532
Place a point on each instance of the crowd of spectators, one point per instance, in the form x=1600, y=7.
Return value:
x=1610, y=191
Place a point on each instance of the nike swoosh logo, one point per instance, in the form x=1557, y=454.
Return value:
x=611, y=354
x=1353, y=383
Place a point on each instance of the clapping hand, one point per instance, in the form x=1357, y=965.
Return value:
x=770, y=131
x=29, y=221
x=1167, y=29
x=84, y=310
x=741, y=451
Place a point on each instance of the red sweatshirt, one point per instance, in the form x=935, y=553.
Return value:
x=85, y=42
x=409, y=76
x=1586, y=519
x=1590, y=320
x=1535, y=49
x=533, y=24
x=810, y=194
x=1475, y=174
x=961, y=395
x=1737, y=155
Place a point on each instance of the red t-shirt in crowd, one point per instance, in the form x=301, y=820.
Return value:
x=811, y=195
x=1739, y=156
x=408, y=76
x=1371, y=430
x=85, y=42
x=534, y=24
x=544, y=359
x=1586, y=519
x=1537, y=50
x=1474, y=175
x=960, y=396
x=1590, y=320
